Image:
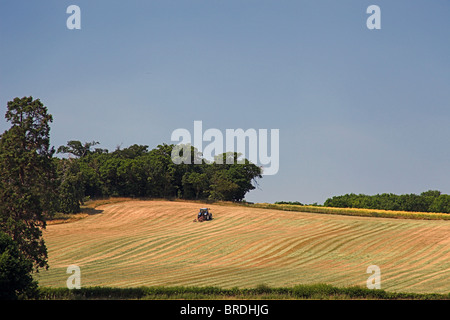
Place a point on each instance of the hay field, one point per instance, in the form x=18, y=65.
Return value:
x=156, y=243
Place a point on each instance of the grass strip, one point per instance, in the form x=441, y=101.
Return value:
x=314, y=291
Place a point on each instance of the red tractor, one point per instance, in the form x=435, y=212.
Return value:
x=204, y=215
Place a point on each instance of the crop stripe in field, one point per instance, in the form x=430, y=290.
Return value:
x=140, y=243
x=331, y=249
x=169, y=246
x=198, y=240
x=440, y=275
x=410, y=261
x=320, y=242
x=417, y=262
x=253, y=251
x=159, y=260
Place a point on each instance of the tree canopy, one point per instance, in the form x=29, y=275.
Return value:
x=428, y=201
x=138, y=172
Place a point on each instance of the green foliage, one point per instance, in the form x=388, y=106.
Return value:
x=231, y=177
x=262, y=291
x=429, y=201
x=15, y=271
x=295, y=203
x=222, y=187
x=71, y=186
x=27, y=177
x=138, y=172
x=195, y=181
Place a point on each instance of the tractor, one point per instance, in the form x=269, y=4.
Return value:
x=204, y=215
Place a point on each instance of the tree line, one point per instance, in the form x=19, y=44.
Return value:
x=428, y=201
x=139, y=172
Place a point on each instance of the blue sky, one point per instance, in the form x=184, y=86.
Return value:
x=359, y=110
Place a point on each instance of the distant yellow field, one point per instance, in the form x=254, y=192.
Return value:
x=356, y=211
x=156, y=243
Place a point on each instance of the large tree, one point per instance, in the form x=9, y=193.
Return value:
x=27, y=177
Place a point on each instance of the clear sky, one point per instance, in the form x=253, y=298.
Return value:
x=359, y=110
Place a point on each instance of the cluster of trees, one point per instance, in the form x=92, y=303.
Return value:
x=138, y=172
x=296, y=203
x=34, y=184
x=429, y=201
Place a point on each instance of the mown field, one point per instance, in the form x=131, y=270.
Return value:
x=156, y=243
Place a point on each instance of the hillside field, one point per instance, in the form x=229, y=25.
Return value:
x=156, y=243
